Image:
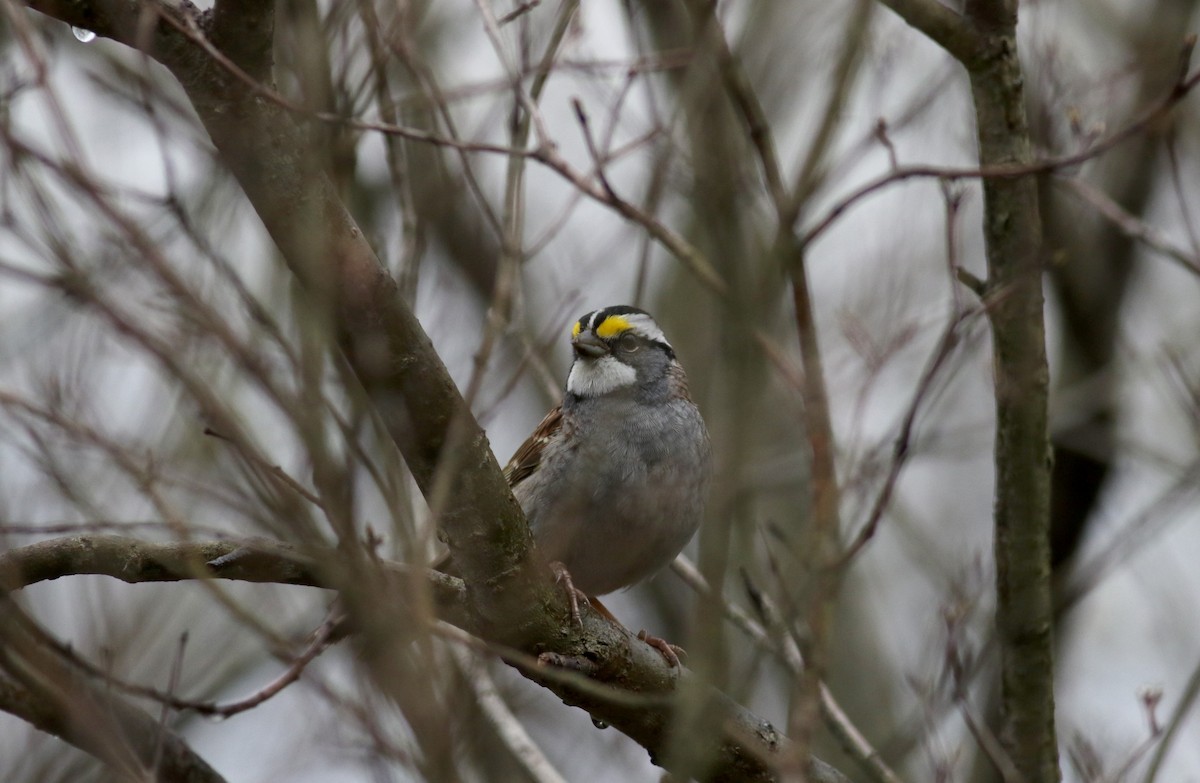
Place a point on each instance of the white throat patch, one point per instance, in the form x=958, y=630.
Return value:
x=593, y=377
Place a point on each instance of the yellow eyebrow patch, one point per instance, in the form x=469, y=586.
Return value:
x=575, y=329
x=612, y=326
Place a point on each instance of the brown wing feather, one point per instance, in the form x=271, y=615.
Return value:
x=529, y=456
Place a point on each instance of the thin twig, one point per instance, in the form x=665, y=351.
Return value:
x=1008, y=171
x=519, y=11
x=507, y=726
x=901, y=448
x=1129, y=224
x=194, y=34
x=788, y=653
x=1186, y=701
x=958, y=668
x=272, y=470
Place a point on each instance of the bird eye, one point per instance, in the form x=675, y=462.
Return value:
x=629, y=343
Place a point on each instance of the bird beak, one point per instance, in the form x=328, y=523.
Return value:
x=589, y=346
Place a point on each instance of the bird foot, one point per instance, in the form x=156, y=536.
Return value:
x=574, y=596
x=670, y=652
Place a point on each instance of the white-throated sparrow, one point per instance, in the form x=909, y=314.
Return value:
x=613, y=481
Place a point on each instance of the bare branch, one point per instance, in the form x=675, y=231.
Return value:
x=45, y=692
x=942, y=25
x=788, y=652
x=1008, y=169
x=901, y=446
x=134, y=561
x=537, y=767
x=1129, y=224
x=1187, y=700
x=1012, y=235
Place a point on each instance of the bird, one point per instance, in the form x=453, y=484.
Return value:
x=614, y=480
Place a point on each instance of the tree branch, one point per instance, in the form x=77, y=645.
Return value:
x=747, y=752
x=134, y=561
x=984, y=41
x=1012, y=232
x=246, y=32
x=42, y=690
x=1130, y=225
x=942, y=25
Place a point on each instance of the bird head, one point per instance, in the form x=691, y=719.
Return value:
x=617, y=348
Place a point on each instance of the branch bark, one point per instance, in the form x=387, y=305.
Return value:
x=943, y=25
x=986, y=45
x=42, y=690
x=1012, y=233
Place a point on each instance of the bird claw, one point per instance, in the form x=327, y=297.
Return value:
x=563, y=577
x=670, y=652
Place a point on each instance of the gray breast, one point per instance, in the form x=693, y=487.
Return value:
x=625, y=501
